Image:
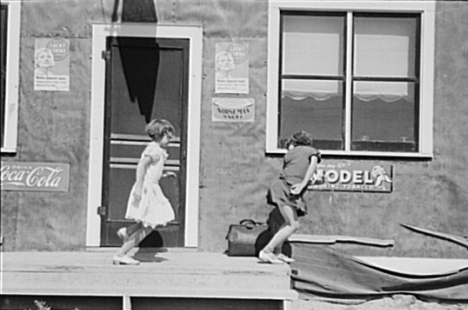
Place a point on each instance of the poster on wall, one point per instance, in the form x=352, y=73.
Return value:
x=42, y=177
x=353, y=177
x=232, y=68
x=52, y=64
x=233, y=109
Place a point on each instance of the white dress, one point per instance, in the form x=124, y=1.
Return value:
x=153, y=209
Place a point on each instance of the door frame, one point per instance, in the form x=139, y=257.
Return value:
x=96, y=143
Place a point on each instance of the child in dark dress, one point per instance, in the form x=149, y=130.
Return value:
x=287, y=192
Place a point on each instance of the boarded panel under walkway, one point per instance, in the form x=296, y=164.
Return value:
x=169, y=280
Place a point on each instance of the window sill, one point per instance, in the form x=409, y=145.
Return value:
x=361, y=154
x=8, y=151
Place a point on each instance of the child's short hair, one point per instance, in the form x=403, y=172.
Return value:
x=157, y=128
x=300, y=138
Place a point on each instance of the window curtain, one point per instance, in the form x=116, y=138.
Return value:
x=384, y=47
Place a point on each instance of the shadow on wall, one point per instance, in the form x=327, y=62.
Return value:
x=140, y=63
x=134, y=11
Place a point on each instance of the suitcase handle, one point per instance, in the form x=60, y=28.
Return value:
x=249, y=223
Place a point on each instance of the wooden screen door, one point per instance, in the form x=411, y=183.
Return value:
x=146, y=78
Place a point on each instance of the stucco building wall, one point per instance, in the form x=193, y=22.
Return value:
x=234, y=169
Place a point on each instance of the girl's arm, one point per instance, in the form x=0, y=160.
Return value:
x=169, y=174
x=140, y=175
x=296, y=189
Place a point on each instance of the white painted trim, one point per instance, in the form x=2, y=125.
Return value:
x=427, y=79
x=273, y=78
x=350, y=5
x=100, y=34
x=349, y=88
x=365, y=154
x=287, y=304
x=427, y=8
x=12, y=77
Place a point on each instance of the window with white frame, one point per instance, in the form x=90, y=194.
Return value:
x=9, y=52
x=357, y=75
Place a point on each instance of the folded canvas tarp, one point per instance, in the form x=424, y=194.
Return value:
x=323, y=271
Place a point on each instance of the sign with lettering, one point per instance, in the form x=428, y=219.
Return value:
x=233, y=109
x=52, y=64
x=355, y=177
x=44, y=177
x=232, y=68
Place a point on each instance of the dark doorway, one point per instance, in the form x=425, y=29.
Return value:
x=146, y=78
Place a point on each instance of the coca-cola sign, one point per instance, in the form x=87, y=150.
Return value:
x=23, y=176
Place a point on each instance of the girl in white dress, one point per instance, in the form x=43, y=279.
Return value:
x=147, y=204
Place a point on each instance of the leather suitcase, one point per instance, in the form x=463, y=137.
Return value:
x=247, y=238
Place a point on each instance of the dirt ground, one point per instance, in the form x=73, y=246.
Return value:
x=396, y=302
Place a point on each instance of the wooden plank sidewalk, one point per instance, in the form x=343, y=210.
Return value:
x=175, y=273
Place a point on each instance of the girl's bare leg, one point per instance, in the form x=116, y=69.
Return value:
x=279, y=248
x=124, y=233
x=134, y=240
x=290, y=226
x=133, y=228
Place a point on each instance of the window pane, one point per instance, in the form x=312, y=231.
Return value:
x=385, y=47
x=315, y=106
x=381, y=122
x=313, y=45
